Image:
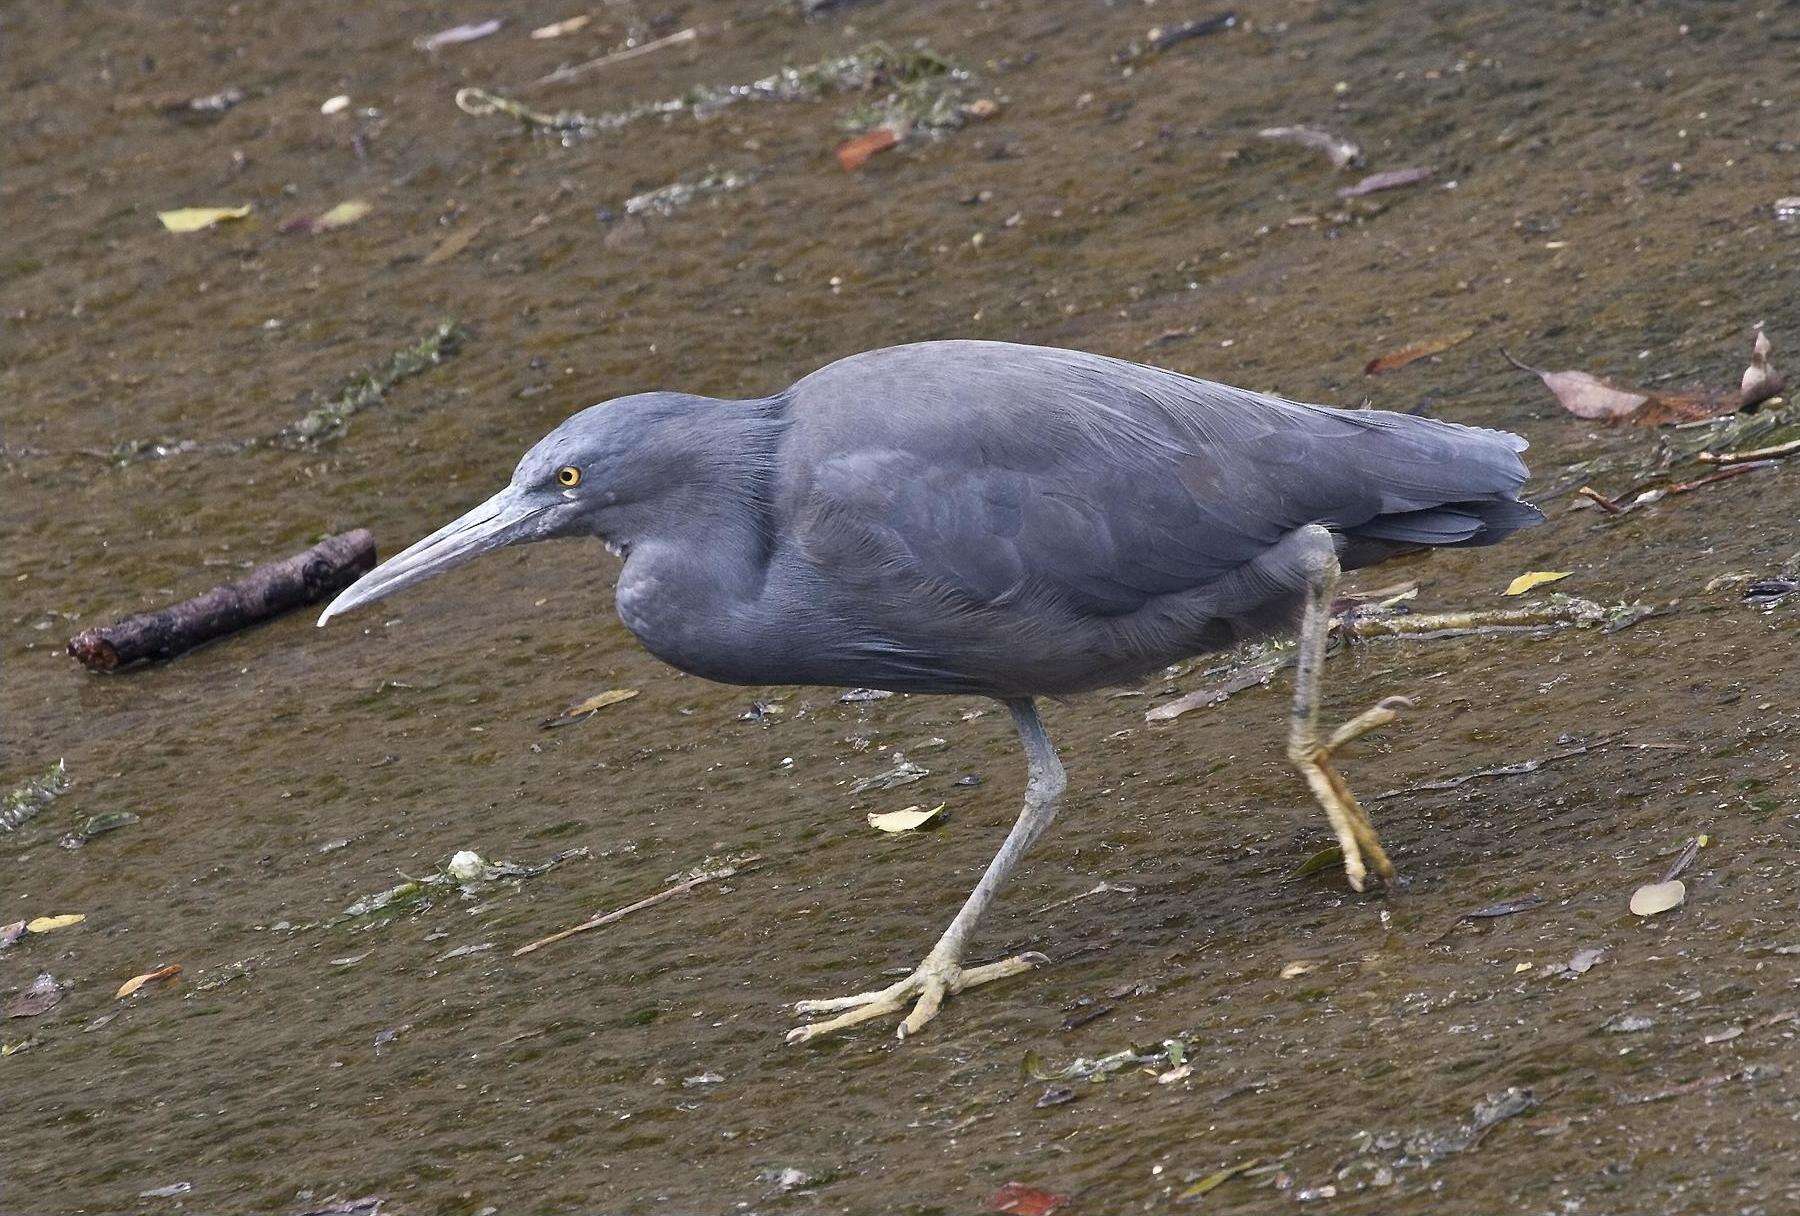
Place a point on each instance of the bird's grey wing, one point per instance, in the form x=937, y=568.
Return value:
x=990, y=470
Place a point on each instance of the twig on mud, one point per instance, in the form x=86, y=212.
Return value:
x=1510, y=907
x=1505, y=770
x=736, y=866
x=1218, y=694
x=1557, y=612
x=576, y=71
x=1681, y=863
x=1649, y=496
x=1103, y=888
x=1738, y=458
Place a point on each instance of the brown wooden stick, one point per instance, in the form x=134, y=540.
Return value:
x=267, y=591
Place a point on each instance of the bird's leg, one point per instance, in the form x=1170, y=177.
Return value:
x=1312, y=755
x=942, y=973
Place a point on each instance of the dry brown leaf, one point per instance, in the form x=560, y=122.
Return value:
x=149, y=977
x=855, y=154
x=1587, y=396
x=1394, y=360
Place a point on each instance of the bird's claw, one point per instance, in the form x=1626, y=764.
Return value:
x=928, y=985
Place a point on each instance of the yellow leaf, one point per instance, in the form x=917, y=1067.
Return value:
x=1535, y=578
x=1656, y=897
x=193, y=219
x=138, y=981
x=909, y=820
x=44, y=924
x=1212, y=1181
x=342, y=215
x=600, y=700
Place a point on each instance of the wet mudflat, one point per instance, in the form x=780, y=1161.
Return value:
x=1603, y=196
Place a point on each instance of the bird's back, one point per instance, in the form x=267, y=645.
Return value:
x=967, y=514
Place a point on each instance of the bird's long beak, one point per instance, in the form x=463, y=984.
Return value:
x=500, y=520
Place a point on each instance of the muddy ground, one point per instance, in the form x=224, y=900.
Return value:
x=1603, y=196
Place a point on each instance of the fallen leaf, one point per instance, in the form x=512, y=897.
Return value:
x=856, y=153
x=1656, y=897
x=1724, y=1036
x=909, y=820
x=582, y=710
x=459, y=33
x=193, y=219
x=1588, y=396
x=343, y=215
x=45, y=924
x=1212, y=1181
x=1325, y=859
x=1394, y=360
x=43, y=995
x=1341, y=152
x=138, y=981
x=556, y=29
x=1534, y=578
x=452, y=245
x=1584, y=960
x=1298, y=967
x=1761, y=381
x=1021, y=1200
x=1387, y=179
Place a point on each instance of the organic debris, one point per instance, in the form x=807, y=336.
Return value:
x=856, y=153
x=266, y=592
x=1753, y=1073
x=1656, y=897
x=1162, y=38
x=461, y=872
x=1341, y=152
x=669, y=199
x=576, y=71
x=1587, y=396
x=1329, y=858
x=1534, y=578
x=1020, y=1200
x=909, y=820
x=1253, y=674
x=340, y=216
x=707, y=871
x=922, y=83
x=1395, y=360
x=40, y=997
x=1505, y=770
x=196, y=219
x=149, y=977
x=584, y=709
x=1657, y=494
x=1216, y=1179
x=556, y=29
x=97, y=825
x=49, y=924
x=458, y=34
x=903, y=772
x=1558, y=611
x=452, y=245
x=1387, y=179
x=331, y=420
x=25, y=801
x=1685, y=858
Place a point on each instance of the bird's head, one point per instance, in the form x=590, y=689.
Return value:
x=595, y=475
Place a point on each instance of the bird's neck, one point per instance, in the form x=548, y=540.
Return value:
x=714, y=469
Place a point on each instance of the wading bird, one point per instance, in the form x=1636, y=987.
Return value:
x=996, y=520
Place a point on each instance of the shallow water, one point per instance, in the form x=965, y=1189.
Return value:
x=1151, y=225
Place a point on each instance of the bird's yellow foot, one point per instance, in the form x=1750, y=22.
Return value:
x=932, y=981
x=1356, y=836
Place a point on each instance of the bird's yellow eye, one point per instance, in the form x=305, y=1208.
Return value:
x=569, y=475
